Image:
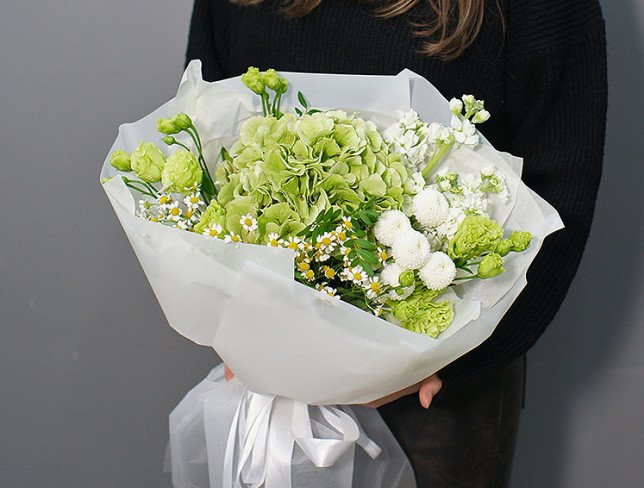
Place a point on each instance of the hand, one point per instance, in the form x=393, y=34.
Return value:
x=426, y=389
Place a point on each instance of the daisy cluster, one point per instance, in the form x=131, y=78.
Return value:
x=179, y=210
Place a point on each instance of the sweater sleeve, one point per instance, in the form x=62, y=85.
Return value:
x=203, y=42
x=555, y=98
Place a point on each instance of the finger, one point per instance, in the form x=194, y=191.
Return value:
x=428, y=389
x=394, y=396
x=228, y=374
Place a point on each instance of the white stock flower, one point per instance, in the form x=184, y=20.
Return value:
x=456, y=105
x=438, y=272
x=430, y=207
x=464, y=131
x=389, y=225
x=481, y=116
x=410, y=249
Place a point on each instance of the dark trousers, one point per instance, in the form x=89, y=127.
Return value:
x=466, y=439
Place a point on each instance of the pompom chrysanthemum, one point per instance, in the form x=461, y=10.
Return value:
x=390, y=224
x=390, y=274
x=438, y=272
x=410, y=249
x=430, y=207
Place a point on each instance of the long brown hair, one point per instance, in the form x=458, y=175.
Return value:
x=451, y=27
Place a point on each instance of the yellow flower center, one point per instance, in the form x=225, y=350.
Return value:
x=273, y=242
x=348, y=224
x=163, y=200
x=154, y=219
x=342, y=236
x=383, y=256
x=375, y=287
x=188, y=214
x=175, y=211
x=357, y=276
x=213, y=232
x=326, y=241
x=234, y=238
x=304, y=266
x=194, y=200
x=309, y=274
x=329, y=273
x=292, y=245
x=248, y=222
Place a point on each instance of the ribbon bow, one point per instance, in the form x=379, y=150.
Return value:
x=265, y=429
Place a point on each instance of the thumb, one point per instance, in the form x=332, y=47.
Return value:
x=228, y=374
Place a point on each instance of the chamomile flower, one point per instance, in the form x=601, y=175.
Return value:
x=346, y=222
x=355, y=275
x=193, y=201
x=174, y=211
x=183, y=224
x=389, y=225
x=382, y=255
x=329, y=272
x=232, y=238
x=294, y=243
x=373, y=287
x=438, y=272
x=273, y=240
x=377, y=311
x=248, y=222
x=410, y=249
x=340, y=233
x=304, y=265
x=214, y=230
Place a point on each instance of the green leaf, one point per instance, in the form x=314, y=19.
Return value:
x=302, y=100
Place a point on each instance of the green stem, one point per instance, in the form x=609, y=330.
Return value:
x=133, y=184
x=436, y=157
x=465, y=277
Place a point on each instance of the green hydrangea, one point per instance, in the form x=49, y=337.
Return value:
x=294, y=167
x=121, y=160
x=490, y=266
x=420, y=312
x=182, y=172
x=475, y=235
x=147, y=162
x=213, y=215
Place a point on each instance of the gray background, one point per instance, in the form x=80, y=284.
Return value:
x=88, y=368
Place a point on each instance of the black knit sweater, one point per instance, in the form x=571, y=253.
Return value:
x=544, y=83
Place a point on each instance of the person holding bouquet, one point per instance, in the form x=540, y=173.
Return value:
x=540, y=66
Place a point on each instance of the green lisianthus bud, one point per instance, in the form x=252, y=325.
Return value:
x=272, y=79
x=504, y=247
x=167, y=126
x=407, y=278
x=169, y=140
x=183, y=121
x=253, y=79
x=520, y=241
x=182, y=172
x=491, y=265
x=147, y=162
x=121, y=160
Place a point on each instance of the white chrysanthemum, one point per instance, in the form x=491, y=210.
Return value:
x=390, y=224
x=438, y=272
x=410, y=249
x=430, y=207
x=390, y=274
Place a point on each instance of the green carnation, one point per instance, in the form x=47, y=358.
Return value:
x=490, y=266
x=182, y=172
x=121, y=160
x=254, y=80
x=421, y=314
x=520, y=240
x=147, y=162
x=475, y=235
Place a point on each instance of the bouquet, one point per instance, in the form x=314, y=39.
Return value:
x=335, y=239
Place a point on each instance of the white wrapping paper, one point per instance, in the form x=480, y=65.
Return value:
x=277, y=335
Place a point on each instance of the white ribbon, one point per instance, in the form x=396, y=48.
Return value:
x=265, y=429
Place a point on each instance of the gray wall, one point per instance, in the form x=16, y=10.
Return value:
x=88, y=368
